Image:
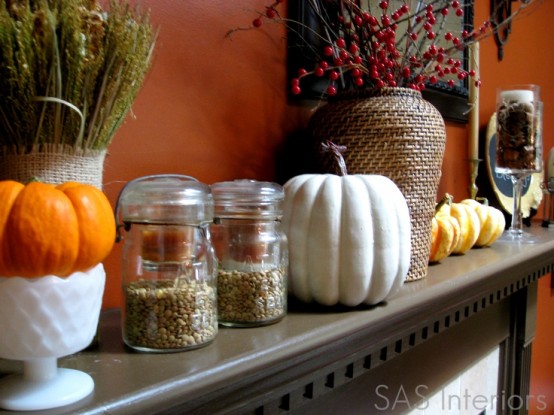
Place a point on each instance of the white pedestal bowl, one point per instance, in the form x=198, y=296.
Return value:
x=41, y=320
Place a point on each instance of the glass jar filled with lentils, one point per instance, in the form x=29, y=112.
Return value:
x=252, y=252
x=169, y=266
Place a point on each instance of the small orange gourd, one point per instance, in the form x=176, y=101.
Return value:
x=53, y=230
x=445, y=231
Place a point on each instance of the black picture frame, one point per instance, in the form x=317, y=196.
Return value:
x=452, y=102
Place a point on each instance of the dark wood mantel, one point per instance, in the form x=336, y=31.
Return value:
x=320, y=360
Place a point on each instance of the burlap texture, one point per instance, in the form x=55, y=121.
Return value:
x=53, y=164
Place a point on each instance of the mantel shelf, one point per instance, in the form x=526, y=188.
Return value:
x=313, y=351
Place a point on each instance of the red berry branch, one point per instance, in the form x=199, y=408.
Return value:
x=385, y=43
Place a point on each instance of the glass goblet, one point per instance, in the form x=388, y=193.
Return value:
x=518, y=145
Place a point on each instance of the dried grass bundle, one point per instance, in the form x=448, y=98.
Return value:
x=69, y=71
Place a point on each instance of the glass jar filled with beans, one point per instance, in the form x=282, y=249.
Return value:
x=169, y=266
x=252, y=252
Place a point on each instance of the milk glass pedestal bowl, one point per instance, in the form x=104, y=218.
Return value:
x=41, y=320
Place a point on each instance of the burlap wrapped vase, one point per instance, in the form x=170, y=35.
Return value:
x=53, y=163
x=396, y=133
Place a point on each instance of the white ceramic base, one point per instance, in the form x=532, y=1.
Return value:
x=41, y=320
x=43, y=386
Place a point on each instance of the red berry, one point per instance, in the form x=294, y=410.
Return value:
x=359, y=81
x=328, y=51
x=296, y=90
x=257, y=22
x=333, y=75
x=341, y=43
x=331, y=90
x=270, y=12
x=302, y=72
x=459, y=12
x=319, y=71
x=384, y=5
x=455, y=4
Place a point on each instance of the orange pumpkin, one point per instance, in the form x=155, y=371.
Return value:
x=53, y=230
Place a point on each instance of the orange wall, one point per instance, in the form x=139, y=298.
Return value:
x=215, y=108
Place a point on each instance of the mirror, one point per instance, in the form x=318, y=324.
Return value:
x=305, y=42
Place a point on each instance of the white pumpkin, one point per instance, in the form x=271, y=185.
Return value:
x=348, y=238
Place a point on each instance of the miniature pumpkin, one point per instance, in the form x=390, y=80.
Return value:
x=445, y=231
x=491, y=219
x=348, y=238
x=469, y=226
x=49, y=230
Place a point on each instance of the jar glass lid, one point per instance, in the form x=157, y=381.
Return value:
x=166, y=199
x=248, y=198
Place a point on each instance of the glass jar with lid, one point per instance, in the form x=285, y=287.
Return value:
x=252, y=252
x=168, y=264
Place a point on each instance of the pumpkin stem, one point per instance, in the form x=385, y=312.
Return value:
x=483, y=200
x=446, y=200
x=336, y=151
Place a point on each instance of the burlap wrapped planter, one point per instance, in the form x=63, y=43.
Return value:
x=53, y=164
x=396, y=133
